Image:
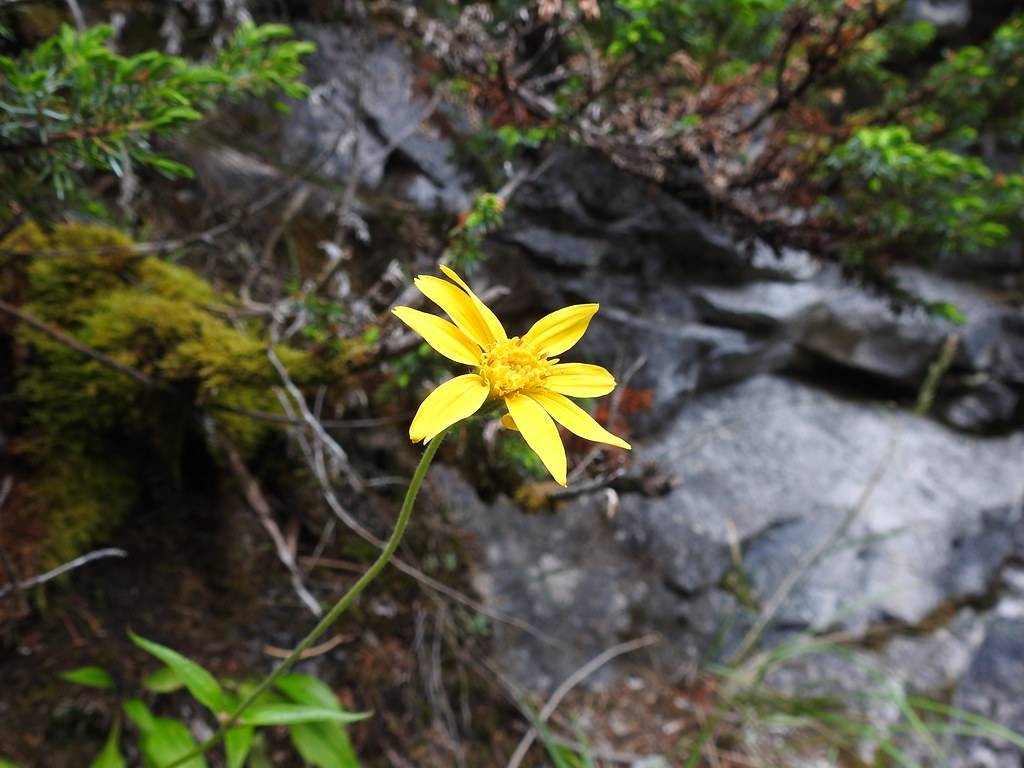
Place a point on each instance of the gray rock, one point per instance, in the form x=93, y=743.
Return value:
x=763, y=305
x=774, y=466
x=989, y=405
x=582, y=195
x=861, y=331
x=831, y=319
x=973, y=301
x=362, y=98
x=993, y=687
x=947, y=14
x=560, y=248
x=932, y=664
x=995, y=344
x=680, y=359
x=563, y=575
x=769, y=466
x=990, y=541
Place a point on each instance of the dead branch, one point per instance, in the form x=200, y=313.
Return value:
x=71, y=565
x=323, y=438
x=74, y=344
x=571, y=682
x=372, y=422
x=359, y=166
x=259, y=504
x=291, y=210
x=309, y=653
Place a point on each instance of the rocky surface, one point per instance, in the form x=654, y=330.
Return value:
x=771, y=467
x=781, y=400
x=364, y=111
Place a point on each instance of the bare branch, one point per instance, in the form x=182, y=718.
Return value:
x=314, y=424
x=571, y=682
x=309, y=653
x=259, y=504
x=78, y=562
x=371, y=422
x=76, y=14
x=77, y=346
x=359, y=166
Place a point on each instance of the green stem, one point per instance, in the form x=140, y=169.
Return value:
x=335, y=612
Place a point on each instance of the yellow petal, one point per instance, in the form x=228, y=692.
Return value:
x=458, y=305
x=451, y=402
x=579, y=380
x=555, y=333
x=493, y=324
x=540, y=433
x=509, y=423
x=575, y=419
x=441, y=335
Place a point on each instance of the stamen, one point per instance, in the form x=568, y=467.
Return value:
x=513, y=366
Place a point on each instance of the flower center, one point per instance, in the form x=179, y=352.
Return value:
x=513, y=366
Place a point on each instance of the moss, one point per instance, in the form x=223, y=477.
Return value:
x=94, y=436
x=83, y=499
x=174, y=282
x=61, y=288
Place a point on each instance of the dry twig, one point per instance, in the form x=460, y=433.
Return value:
x=259, y=504
x=78, y=562
x=571, y=682
x=309, y=653
x=77, y=346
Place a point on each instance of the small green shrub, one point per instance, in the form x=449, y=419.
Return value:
x=72, y=104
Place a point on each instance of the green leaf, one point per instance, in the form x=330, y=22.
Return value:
x=110, y=756
x=167, y=167
x=93, y=677
x=304, y=689
x=325, y=745
x=167, y=741
x=164, y=680
x=176, y=115
x=290, y=714
x=258, y=756
x=139, y=714
x=5, y=763
x=201, y=684
x=163, y=740
x=237, y=743
x=948, y=311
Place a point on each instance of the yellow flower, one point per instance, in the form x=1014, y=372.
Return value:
x=518, y=370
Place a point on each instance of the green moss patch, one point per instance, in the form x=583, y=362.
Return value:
x=93, y=437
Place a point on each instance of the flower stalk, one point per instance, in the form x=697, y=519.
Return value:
x=335, y=613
